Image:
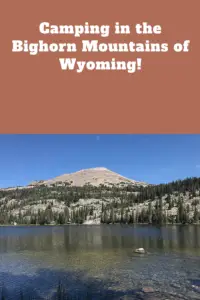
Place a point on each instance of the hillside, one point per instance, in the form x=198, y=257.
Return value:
x=100, y=196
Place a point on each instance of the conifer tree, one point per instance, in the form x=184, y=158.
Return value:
x=150, y=213
x=196, y=215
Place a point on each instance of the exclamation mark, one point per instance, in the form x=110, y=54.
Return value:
x=139, y=63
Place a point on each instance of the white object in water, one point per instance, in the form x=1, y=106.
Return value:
x=140, y=250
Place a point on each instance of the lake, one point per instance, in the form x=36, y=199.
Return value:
x=100, y=261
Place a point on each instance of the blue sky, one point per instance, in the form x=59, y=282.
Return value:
x=150, y=158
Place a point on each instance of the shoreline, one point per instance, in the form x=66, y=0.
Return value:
x=73, y=224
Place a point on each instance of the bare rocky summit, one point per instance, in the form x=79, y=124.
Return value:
x=94, y=176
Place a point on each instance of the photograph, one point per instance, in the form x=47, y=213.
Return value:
x=99, y=216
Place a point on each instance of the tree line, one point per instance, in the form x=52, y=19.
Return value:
x=112, y=212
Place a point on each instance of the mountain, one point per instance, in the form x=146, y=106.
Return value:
x=94, y=176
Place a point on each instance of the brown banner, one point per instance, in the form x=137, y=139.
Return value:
x=38, y=97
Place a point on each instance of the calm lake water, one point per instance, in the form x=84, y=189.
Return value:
x=101, y=259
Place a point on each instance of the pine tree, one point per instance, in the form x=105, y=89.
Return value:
x=134, y=216
x=102, y=208
x=196, y=215
x=150, y=213
x=165, y=220
x=126, y=217
x=170, y=204
x=112, y=217
x=66, y=214
x=181, y=213
x=105, y=217
x=122, y=215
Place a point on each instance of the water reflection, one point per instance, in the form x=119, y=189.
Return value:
x=105, y=237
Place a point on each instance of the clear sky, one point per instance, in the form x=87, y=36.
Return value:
x=150, y=158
